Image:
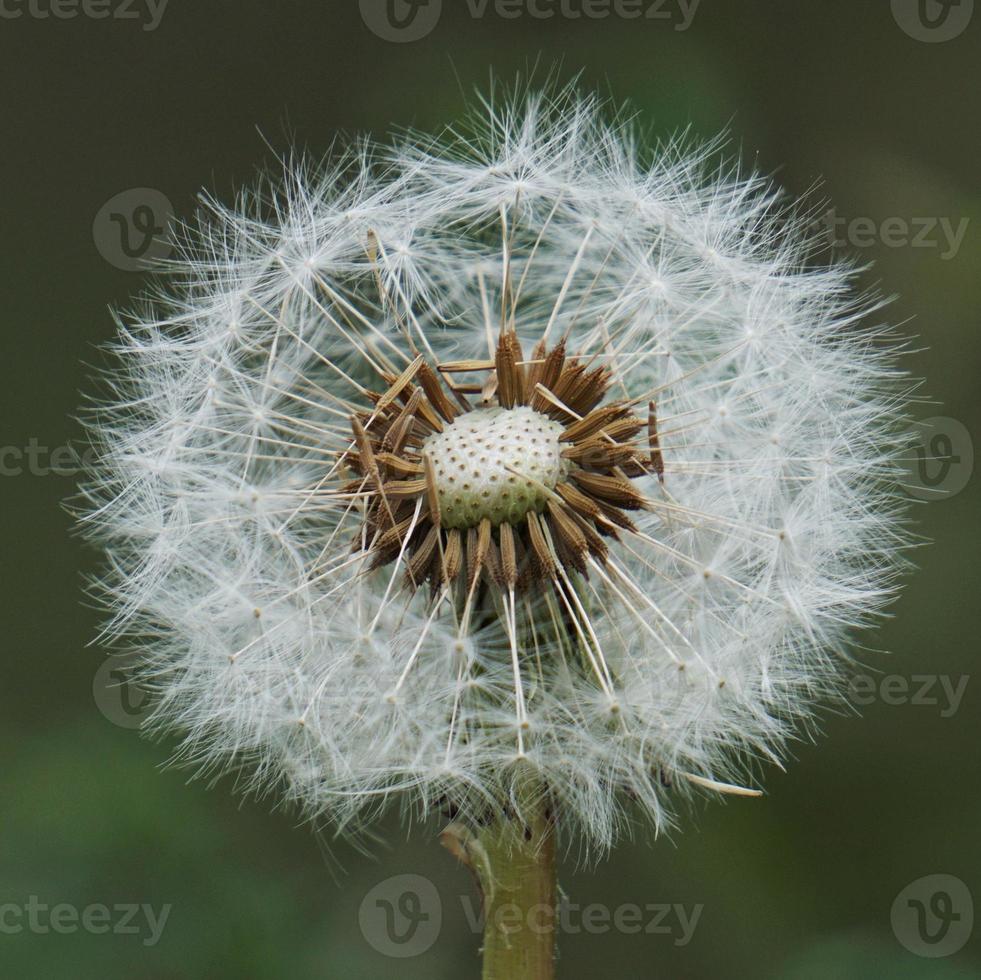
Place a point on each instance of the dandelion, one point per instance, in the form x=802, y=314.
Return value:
x=519, y=474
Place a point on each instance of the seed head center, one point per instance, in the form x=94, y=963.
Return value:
x=495, y=463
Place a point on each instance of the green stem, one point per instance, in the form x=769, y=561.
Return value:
x=516, y=868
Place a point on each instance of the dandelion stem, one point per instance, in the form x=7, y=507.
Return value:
x=516, y=870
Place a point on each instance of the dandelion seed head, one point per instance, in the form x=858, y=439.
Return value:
x=517, y=457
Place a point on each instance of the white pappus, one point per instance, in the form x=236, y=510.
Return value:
x=304, y=476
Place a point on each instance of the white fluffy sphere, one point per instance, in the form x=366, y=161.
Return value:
x=241, y=560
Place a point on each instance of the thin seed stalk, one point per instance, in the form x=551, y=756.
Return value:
x=518, y=877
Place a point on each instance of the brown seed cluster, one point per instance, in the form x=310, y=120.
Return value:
x=563, y=519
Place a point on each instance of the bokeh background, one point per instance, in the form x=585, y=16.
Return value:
x=863, y=104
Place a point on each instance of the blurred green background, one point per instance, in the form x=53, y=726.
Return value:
x=862, y=101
